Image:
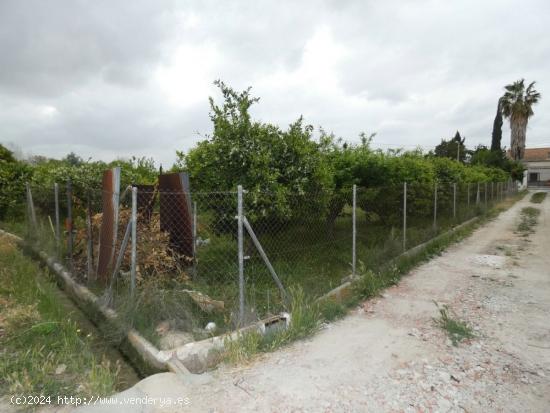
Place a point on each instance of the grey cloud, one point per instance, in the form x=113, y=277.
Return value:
x=77, y=75
x=51, y=47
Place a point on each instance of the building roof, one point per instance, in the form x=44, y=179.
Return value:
x=535, y=154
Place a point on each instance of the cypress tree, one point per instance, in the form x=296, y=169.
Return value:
x=496, y=136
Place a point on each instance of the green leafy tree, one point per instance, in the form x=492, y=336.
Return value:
x=482, y=156
x=517, y=106
x=6, y=155
x=280, y=168
x=13, y=175
x=73, y=159
x=453, y=148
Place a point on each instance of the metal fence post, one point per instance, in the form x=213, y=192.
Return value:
x=468, y=189
x=354, y=232
x=70, y=224
x=435, y=206
x=404, y=216
x=240, y=236
x=195, y=240
x=478, y=195
x=57, y=229
x=454, y=200
x=134, y=243
x=89, y=240
x=27, y=213
x=492, y=191
x=30, y=206
x=485, y=195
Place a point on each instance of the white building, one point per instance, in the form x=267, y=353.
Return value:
x=537, y=162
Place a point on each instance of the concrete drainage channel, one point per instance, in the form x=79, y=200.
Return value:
x=191, y=358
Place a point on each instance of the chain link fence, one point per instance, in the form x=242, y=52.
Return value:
x=175, y=260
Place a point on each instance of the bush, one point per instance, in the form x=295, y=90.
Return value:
x=13, y=175
x=280, y=169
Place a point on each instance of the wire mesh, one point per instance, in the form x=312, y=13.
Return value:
x=187, y=266
x=308, y=240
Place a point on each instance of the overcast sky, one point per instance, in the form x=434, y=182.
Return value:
x=110, y=79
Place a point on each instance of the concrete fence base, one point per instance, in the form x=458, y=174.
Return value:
x=345, y=291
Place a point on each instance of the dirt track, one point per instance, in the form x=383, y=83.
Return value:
x=389, y=355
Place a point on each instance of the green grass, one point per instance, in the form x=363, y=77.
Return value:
x=15, y=227
x=372, y=281
x=307, y=314
x=310, y=256
x=42, y=349
x=457, y=330
x=538, y=197
x=306, y=320
x=528, y=220
x=369, y=284
x=155, y=302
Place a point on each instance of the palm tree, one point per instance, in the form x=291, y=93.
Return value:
x=517, y=105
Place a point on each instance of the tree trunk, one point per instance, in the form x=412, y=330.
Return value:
x=518, y=126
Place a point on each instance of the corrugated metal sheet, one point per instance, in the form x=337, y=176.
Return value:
x=176, y=213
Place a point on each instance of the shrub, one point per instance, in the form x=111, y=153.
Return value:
x=280, y=169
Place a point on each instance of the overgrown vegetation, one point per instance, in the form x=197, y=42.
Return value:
x=306, y=320
x=42, y=349
x=282, y=168
x=528, y=220
x=538, y=197
x=368, y=284
x=456, y=329
x=299, y=192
